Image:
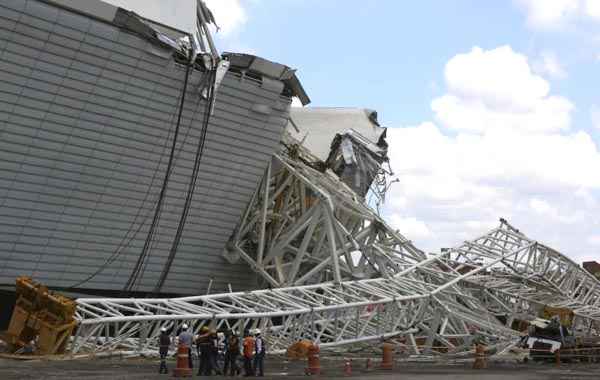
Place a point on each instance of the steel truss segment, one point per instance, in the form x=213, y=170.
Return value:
x=300, y=217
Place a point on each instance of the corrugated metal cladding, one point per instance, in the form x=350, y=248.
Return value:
x=87, y=115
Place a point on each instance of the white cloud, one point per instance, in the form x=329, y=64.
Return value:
x=594, y=240
x=412, y=227
x=592, y=9
x=181, y=14
x=496, y=89
x=548, y=64
x=511, y=154
x=541, y=207
x=229, y=14
x=544, y=208
x=595, y=115
x=548, y=14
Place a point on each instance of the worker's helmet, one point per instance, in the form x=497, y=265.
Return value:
x=163, y=329
x=204, y=329
x=185, y=326
x=256, y=331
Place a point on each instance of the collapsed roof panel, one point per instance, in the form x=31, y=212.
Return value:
x=317, y=127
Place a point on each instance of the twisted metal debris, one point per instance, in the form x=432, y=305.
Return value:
x=340, y=275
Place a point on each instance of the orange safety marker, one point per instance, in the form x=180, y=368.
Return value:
x=480, y=362
x=314, y=364
x=388, y=351
x=369, y=365
x=557, y=357
x=183, y=365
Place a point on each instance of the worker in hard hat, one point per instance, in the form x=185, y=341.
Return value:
x=260, y=349
x=203, y=346
x=214, y=352
x=185, y=339
x=164, y=343
x=248, y=345
x=232, y=351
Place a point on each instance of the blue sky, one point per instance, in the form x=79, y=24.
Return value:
x=386, y=55
x=493, y=106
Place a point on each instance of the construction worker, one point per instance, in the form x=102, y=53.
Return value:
x=259, y=354
x=203, y=346
x=232, y=351
x=164, y=342
x=220, y=358
x=185, y=338
x=248, y=354
x=214, y=352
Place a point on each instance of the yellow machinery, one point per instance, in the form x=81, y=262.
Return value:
x=42, y=317
x=565, y=315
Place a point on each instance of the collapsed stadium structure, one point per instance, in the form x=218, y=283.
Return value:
x=101, y=196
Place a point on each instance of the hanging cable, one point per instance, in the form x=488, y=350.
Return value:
x=134, y=276
x=192, y=185
x=126, y=240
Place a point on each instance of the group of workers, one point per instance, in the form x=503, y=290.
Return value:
x=211, y=346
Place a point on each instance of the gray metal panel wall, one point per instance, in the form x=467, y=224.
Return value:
x=87, y=114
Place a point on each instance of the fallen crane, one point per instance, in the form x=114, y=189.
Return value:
x=439, y=305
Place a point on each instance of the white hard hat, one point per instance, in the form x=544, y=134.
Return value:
x=185, y=326
x=256, y=331
x=163, y=329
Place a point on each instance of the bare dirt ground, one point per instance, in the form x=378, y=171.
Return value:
x=146, y=369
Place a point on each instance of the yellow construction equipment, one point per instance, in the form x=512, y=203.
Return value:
x=42, y=317
x=565, y=315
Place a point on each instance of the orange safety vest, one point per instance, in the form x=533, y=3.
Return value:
x=248, y=346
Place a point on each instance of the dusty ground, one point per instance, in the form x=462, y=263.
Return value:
x=133, y=369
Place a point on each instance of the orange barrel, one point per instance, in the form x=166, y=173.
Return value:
x=314, y=364
x=388, y=352
x=183, y=365
x=480, y=362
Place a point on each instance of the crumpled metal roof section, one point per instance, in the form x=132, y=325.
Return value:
x=87, y=114
x=315, y=127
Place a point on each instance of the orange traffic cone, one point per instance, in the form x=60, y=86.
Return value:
x=183, y=365
x=348, y=367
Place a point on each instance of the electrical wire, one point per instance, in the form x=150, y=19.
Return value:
x=134, y=276
x=192, y=185
x=126, y=240
x=122, y=244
